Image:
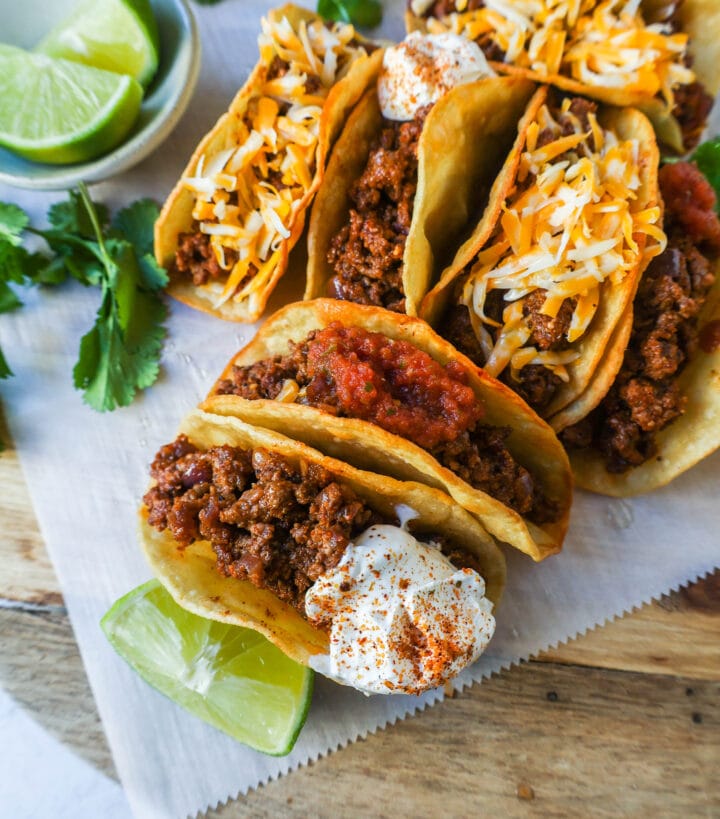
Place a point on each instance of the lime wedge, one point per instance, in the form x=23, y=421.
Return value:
x=229, y=676
x=117, y=35
x=60, y=112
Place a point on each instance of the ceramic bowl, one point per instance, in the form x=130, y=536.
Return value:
x=24, y=24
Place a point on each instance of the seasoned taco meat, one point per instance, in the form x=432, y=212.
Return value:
x=353, y=373
x=270, y=522
x=645, y=397
x=367, y=253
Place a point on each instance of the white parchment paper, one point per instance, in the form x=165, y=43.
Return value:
x=86, y=473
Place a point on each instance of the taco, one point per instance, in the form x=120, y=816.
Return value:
x=383, y=585
x=226, y=230
x=385, y=393
x=536, y=295
x=662, y=413
x=657, y=55
x=414, y=163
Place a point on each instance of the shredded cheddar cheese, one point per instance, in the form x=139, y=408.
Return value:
x=601, y=44
x=247, y=197
x=570, y=226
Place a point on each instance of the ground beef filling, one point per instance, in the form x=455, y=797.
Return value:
x=275, y=524
x=367, y=253
x=350, y=372
x=645, y=397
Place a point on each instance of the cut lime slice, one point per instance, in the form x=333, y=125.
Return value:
x=60, y=112
x=117, y=35
x=229, y=676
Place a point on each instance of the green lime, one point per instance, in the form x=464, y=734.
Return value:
x=229, y=676
x=60, y=112
x=117, y=35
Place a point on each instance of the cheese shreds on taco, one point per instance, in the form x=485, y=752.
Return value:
x=227, y=228
x=387, y=394
x=415, y=162
x=386, y=586
x=538, y=302
x=662, y=412
x=659, y=55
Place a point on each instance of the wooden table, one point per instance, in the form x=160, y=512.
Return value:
x=622, y=722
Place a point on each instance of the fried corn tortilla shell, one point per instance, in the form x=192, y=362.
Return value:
x=683, y=443
x=191, y=576
x=599, y=344
x=700, y=20
x=464, y=142
x=367, y=446
x=227, y=298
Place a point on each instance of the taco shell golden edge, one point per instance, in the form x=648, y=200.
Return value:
x=700, y=20
x=600, y=348
x=190, y=573
x=683, y=443
x=176, y=215
x=463, y=145
x=367, y=446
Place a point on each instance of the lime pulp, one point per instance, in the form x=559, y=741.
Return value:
x=116, y=35
x=229, y=676
x=60, y=112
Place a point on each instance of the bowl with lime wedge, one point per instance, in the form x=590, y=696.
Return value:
x=89, y=88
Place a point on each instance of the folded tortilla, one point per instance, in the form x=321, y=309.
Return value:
x=464, y=142
x=191, y=576
x=597, y=213
x=609, y=52
x=532, y=443
x=247, y=187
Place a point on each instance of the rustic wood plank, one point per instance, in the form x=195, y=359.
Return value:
x=679, y=634
x=27, y=575
x=540, y=740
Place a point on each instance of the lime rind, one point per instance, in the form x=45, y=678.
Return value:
x=229, y=676
x=60, y=112
x=114, y=35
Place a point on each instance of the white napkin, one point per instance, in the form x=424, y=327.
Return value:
x=86, y=473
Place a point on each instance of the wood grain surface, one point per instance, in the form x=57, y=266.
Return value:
x=622, y=722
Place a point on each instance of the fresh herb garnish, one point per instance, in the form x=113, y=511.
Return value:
x=707, y=158
x=121, y=353
x=366, y=13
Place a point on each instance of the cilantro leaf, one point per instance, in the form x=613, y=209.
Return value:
x=13, y=220
x=707, y=158
x=72, y=216
x=135, y=223
x=366, y=13
x=8, y=299
x=5, y=372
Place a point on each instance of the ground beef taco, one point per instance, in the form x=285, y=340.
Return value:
x=662, y=413
x=414, y=164
x=387, y=394
x=535, y=295
x=383, y=585
x=657, y=55
x=226, y=230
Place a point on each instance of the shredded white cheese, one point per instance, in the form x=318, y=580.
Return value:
x=602, y=44
x=247, y=197
x=569, y=226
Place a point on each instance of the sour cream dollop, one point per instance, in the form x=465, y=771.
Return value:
x=402, y=618
x=423, y=68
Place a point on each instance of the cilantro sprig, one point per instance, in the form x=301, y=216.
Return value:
x=366, y=13
x=120, y=354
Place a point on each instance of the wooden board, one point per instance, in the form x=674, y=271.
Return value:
x=623, y=722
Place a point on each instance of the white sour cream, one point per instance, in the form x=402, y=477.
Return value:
x=401, y=617
x=423, y=68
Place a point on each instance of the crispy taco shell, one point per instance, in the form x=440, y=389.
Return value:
x=684, y=442
x=190, y=573
x=464, y=142
x=599, y=345
x=367, y=446
x=700, y=20
x=176, y=215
